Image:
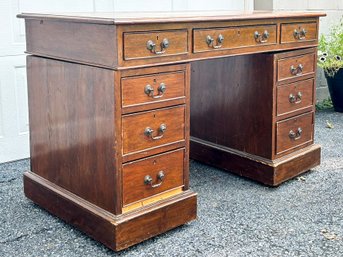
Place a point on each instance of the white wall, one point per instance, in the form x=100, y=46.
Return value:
x=14, y=135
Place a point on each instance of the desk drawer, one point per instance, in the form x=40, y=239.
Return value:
x=294, y=132
x=298, y=32
x=297, y=66
x=151, y=44
x=153, y=175
x=153, y=129
x=233, y=37
x=294, y=96
x=144, y=90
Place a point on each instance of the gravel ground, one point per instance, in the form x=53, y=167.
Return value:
x=236, y=216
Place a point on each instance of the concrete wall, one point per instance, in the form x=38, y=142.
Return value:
x=334, y=11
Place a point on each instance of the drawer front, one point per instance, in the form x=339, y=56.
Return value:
x=152, y=88
x=139, y=45
x=294, y=132
x=233, y=37
x=153, y=129
x=298, y=32
x=296, y=66
x=294, y=96
x=153, y=175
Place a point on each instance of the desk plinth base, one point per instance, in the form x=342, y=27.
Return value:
x=269, y=172
x=115, y=231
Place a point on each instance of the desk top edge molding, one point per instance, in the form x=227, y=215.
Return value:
x=122, y=18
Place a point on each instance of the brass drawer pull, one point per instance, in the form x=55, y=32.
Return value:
x=149, y=90
x=300, y=35
x=261, y=38
x=295, y=99
x=150, y=45
x=295, y=135
x=210, y=41
x=297, y=70
x=148, y=179
x=149, y=132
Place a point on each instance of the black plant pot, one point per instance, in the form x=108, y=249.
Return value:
x=335, y=84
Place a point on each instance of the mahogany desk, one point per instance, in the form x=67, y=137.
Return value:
x=112, y=97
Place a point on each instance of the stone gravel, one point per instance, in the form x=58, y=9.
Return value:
x=236, y=216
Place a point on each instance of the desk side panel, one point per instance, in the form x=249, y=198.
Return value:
x=71, y=110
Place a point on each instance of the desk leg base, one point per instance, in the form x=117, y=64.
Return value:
x=115, y=231
x=269, y=172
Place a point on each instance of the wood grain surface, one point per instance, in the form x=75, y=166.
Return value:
x=120, y=44
x=287, y=32
x=71, y=107
x=271, y=173
x=116, y=232
x=134, y=125
x=170, y=163
x=303, y=88
x=86, y=43
x=133, y=89
x=234, y=107
x=283, y=140
x=166, y=17
x=234, y=37
x=284, y=66
x=135, y=44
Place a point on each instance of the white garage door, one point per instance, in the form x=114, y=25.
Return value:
x=14, y=135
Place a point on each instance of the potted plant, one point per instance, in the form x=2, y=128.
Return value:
x=330, y=56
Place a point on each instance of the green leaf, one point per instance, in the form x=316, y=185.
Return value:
x=324, y=105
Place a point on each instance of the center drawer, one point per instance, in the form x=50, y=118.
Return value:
x=152, y=129
x=153, y=175
x=233, y=37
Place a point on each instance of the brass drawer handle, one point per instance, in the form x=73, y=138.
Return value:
x=295, y=135
x=297, y=70
x=149, y=90
x=210, y=41
x=300, y=35
x=149, y=132
x=295, y=99
x=261, y=38
x=150, y=45
x=160, y=177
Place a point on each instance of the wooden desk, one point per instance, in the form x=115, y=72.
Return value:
x=112, y=97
